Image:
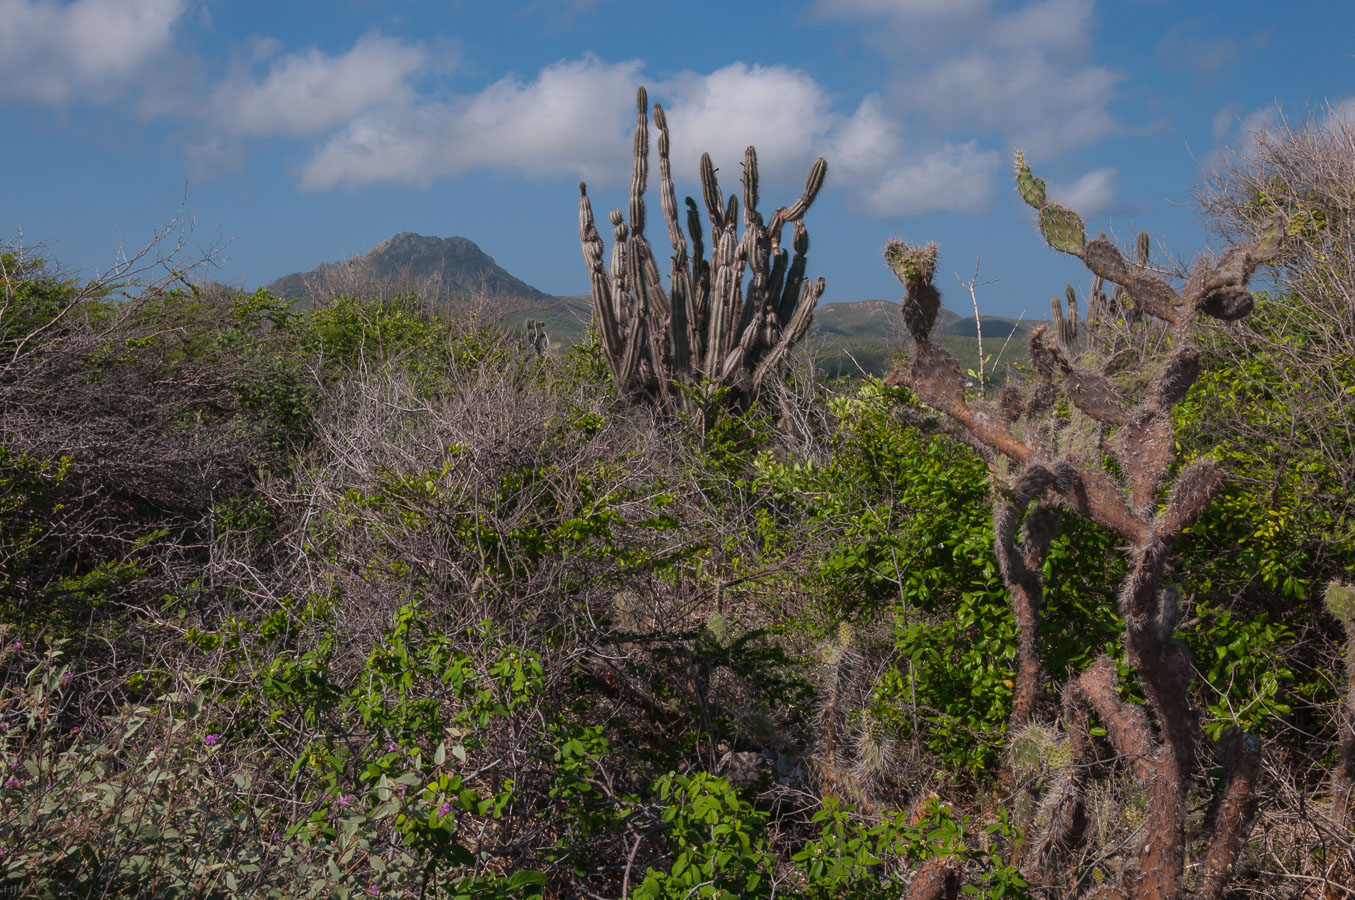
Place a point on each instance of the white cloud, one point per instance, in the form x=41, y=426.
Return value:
x=1028, y=74
x=886, y=179
x=309, y=92
x=906, y=9
x=576, y=118
x=1036, y=103
x=1091, y=193
x=955, y=178
x=1225, y=119
x=53, y=52
x=1055, y=24
x=572, y=119
x=782, y=111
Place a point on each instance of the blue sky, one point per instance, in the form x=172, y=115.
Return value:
x=299, y=132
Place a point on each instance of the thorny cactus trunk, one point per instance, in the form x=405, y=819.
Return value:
x=661, y=344
x=1039, y=455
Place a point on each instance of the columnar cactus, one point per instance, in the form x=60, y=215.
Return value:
x=1042, y=469
x=678, y=348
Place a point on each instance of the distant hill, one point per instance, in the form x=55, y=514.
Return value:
x=438, y=269
x=847, y=338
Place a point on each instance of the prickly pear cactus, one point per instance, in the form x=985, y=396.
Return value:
x=1062, y=228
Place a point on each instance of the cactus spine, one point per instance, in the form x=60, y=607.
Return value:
x=705, y=335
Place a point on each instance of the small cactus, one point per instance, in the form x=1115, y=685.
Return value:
x=1067, y=326
x=537, y=339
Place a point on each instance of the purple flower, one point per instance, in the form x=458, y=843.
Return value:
x=277, y=835
x=17, y=645
x=344, y=801
x=13, y=783
x=390, y=748
x=374, y=890
x=445, y=809
x=66, y=676
x=211, y=740
x=75, y=729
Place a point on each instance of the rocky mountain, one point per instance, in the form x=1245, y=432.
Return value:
x=440, y=269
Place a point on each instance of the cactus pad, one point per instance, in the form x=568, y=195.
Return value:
x=1341, y=602
x=1030, y=187
x=1105, y=260
x=1228, y=304
x=1063, y=229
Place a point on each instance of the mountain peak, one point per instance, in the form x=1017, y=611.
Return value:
x=437, y=268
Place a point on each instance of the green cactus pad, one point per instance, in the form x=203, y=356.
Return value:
x=1063, y=229
x=914, y=266
x=1030, y=187
x=1341, y=602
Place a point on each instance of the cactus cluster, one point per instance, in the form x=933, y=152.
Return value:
x=1125, y=483
x=705, y=336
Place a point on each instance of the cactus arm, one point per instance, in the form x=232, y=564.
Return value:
x=710, y=192
x=724, y=298
x=813, y=184
x=795, y=276
x=640, y=165
x=604, y=308
x=751, y=217
x=680, y=279
x=795, y=330
x=619, y=268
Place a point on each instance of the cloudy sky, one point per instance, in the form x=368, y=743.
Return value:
x=297, y=132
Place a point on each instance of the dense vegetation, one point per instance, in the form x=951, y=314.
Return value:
x=372, y=600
